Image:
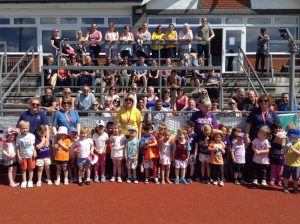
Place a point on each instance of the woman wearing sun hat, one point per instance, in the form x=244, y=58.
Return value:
x=129, y=116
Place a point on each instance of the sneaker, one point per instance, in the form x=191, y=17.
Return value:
x=30, y=183
x=80, y=183
x=88, y=182
x=184, y=181
x=221, y=183
x=156, y=180
x=39, y=183
x=103, y=179
x=236, y=182
x=96, y=179
x=203, y=181
x=286, y=190
x=128, y=180
x=176, y=181
x=295, y=191
x=119, y=180
x=163, y=182
x=135, y=180
x=57, y=182
x=146, y=181
x=24, y=184
x=272, y=183
x=279, y=184
x=190, y=180
x=215, y=183
x=264, y=182
x=255, y=181
x=66, y=181
x=49, y=182
x=113, y=179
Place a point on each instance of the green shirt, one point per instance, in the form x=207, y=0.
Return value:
x=205, y=32
x=291, y=158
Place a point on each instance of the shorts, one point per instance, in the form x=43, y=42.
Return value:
x=10, y=163
x=83, y=162
x=192, y=160
x=148, y=164
x=28, y=163
x=291, y=170
x=43, y=162
x=180, y=164
x=238, y=167
x=131, y=164
x=204, y=157
x=64, y=164
x=164, y=160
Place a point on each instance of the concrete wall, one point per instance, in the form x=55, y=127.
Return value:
x=275, y=4
x=172, y=4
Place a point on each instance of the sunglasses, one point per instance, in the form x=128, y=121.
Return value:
x=66, y=103
x=35, y=104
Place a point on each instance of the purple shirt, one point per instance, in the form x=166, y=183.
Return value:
x=43, y=152
x=201, y=119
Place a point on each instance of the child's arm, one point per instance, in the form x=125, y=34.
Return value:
x=126, y=151
x=265, y=151
x=223, y=148
x=63, y=146
x=232, y=155
x=159, y=147
x=196, y=150
x=4, y=151
x=18, y=154
x=41, y=144
x=295, y=151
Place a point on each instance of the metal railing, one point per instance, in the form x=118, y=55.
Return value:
x=242, y=59
x=19, y=74
x=3, y=66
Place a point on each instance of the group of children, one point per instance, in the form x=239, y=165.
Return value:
x=214, y=151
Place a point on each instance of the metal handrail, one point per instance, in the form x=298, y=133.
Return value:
x=19, y=76
x=4, y=54
x=251, y=70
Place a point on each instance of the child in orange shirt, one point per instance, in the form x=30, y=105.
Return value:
x=62, y=145
x=217, y=148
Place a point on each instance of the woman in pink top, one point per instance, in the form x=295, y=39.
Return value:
x=94, y=36
x=181, y=101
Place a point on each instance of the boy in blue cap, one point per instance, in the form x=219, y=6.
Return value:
x=292, y=160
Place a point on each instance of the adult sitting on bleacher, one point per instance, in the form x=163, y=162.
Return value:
x=154, y=75
x=181, y=100
x=109, y=75
x=88, y=76
x=63, y=76
x=85, y=99
x=232, y=109
x=159, y=114
x=240, y=97
x=126, y=39
x=48, y=100
x=75, y=73
x=165, y=74
x=50, y=74
x=167, y=100
x=140, y=75
x=250, y=102
x=67, y=95
x=125, y=75
x=284, y=103
x=213, y=80
x=150, y=99
x=191, y=108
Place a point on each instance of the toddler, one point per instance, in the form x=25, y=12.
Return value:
x=131, y=154
x=165, y=148
x=10, y=155
x=72, y=166
x=43, y=160
x=190, y=126
x=26, y=153
x=100, y=138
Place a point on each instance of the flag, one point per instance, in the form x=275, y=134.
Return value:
x=1, y=134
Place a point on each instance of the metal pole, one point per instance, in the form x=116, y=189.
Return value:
x=293, y=51
x=18, y=74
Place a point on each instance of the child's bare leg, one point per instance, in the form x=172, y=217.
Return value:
x=30, y=175
x=163, y=168
x=147, y=172
x=10, y=176
x=177, y=173
x=47, y=170
x=14, y=173
x=168, y=167
x=40, y=172
x=114, y=167
x=119, y=168
x=66, y=173
x=88, y=173
x=208, y=170
x=24, y=178
x=80, y=173
x=134, y=173
x=183, y=171
x=58, y=171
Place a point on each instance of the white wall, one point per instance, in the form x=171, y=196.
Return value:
x=172, y=4
x=275, y=4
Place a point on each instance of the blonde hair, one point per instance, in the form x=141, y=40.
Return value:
x=163, y=125
x=206, y=128
x=290, y=125
x=23, y=123
x=42, y=129
x=86, y=130
x=266, y=130
x=182, y=131
x=167, y=131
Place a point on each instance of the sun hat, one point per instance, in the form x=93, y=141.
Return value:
x=240, y=134
x=100, y=123
x=62, y=130
x=131, y=128
x=215, y=132
x=93, y=158
x=73, y=130
x=281, y=134
x=294, y=133
x=10, y=131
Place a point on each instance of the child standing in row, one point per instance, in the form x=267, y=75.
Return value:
x=292, y=160
x=238, y=154
x=217, y=149
x=165, y=148
x=85, y=148
x=100, y=138
x=117, y=145
x=204, y=153
x=261, y=147
x=190, y=126
x=10, y=155
x=72, y=166
x=26, y=153
x=62, y=145
x=43, y=159
x=181, y=155
x=131, y=154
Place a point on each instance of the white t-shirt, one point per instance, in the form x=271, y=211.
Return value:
x=239, y=152
x=100, y=141
x=261, y=145
x=120, y=140
x=26, y=145
x=188, y=35
x=85, y=147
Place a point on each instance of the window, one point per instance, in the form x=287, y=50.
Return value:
x=4, y=21
x=24, y=21
x=233, y=20
x=160, y=21
x=19, y=39
x=214, y=20
x=286, y=20
x=48, y=21
x=123, y=21
x=92, y=21
x=187, y=20
x=68, y=20
x=259, y=21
